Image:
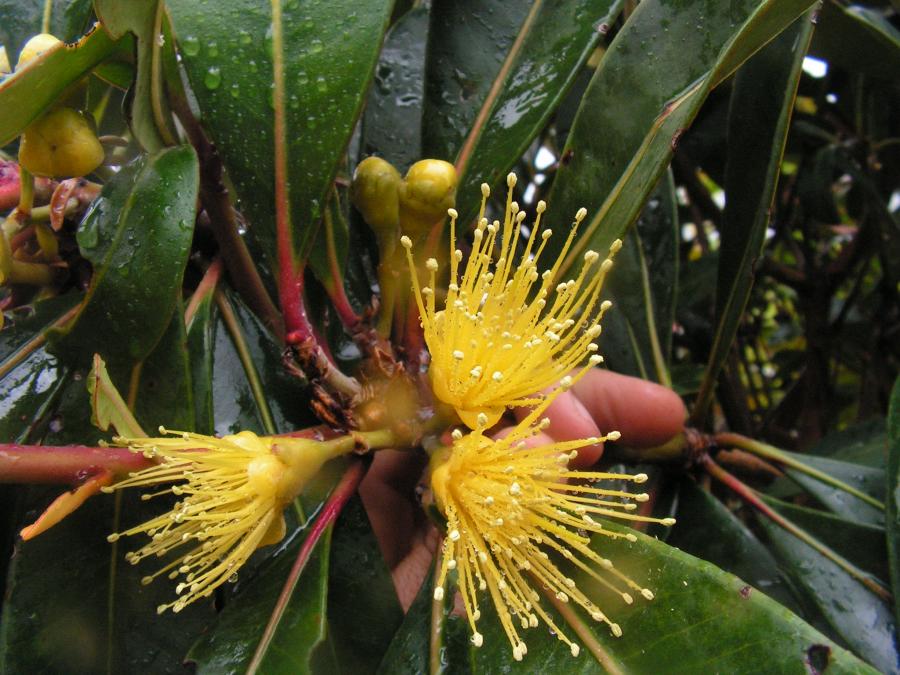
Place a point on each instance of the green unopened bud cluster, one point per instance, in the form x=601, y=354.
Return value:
x=394, y=206
x=63, y=142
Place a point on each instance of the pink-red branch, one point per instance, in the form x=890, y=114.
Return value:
x=68, y=464
x=329, y=513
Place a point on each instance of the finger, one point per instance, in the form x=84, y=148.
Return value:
x=388, y=494
x=570, y=420
x=645, y=413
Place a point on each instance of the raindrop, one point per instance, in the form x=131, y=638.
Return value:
x=212, y=49
x=244, y=38
x=321, y=84
x=315, y=47
x=191, y=46
x=213, y=78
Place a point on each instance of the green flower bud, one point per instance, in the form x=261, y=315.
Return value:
x=35, y=47
x=60, y=144
x=426, y=193
x=374, y=192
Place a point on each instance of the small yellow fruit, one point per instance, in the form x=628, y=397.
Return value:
x=35, y=47
x=60, y=144
x=426, y=193
x=375, y=193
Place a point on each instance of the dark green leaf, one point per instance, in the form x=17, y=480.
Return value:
x=30, y=378
x=165, y=393
x=858, y=39
x=858, y=615
x=328, y=54
x=61, y=613
x=28, y=93
x=137, y=235
x=860, y=543
x=485, y=105
x=866, y=479
x=21, y=19
x=229, y=646
x=751, y=174
x=647, y=90
x=409, y=650
x=893, y=495
x=863, y=443
x=708, y=530
x=363, y=610
x=644, y=288
x=711, y=620
x=235, y=404
x=393, y=118
x=150, y=119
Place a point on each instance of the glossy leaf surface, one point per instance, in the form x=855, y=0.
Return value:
x=138, y=236
x=622, y=137
x=327, y=54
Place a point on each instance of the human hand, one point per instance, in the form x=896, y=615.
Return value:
x=645, y=414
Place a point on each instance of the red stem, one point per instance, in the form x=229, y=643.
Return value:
x=330, y=511
x=64, y=464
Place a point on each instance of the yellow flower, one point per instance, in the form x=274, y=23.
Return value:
x=511, y=517
x=506, y=331
x=232, y=493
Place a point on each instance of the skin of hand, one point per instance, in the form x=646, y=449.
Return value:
x=645, y=413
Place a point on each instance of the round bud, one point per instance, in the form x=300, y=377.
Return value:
x=374, y=192
x=426, y=193
x=35, y=47
x=60, y=144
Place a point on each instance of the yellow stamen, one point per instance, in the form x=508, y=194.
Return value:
x=506, y=331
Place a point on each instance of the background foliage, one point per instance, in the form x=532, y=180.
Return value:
x=749, y=153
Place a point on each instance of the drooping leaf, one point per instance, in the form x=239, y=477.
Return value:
x=409, y=650
x=622, y=138
x=325, y=54
x=165, y=392
x=138, y=235
x=892, y=519
x=860, y=543
x=853, y=611
x=485, y=104
x=866, y=479
x=858, y=38
x=751, y=175
x=150, y=119
x=32, y=90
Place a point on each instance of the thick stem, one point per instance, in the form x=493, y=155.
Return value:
x=750, y=497
x=64, y=464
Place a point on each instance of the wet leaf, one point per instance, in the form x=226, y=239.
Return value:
x=484, y=106
x=138, y=235
x=855, y=613
x=328, y=52
x=393, y=118
x=28, y=93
